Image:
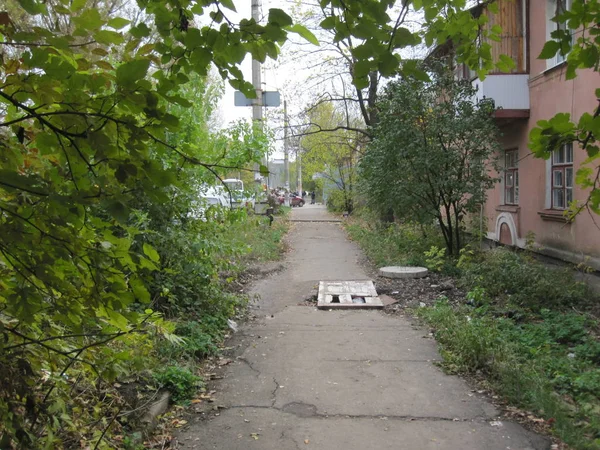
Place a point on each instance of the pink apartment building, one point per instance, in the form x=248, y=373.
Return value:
x=533, y=193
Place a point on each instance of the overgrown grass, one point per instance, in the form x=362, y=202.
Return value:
x=393, y=244
x=521, y=328
x=546, y=366
x=261, y=241
x=518, y=279
x=245, y=240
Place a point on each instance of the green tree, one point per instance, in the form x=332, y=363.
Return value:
x=578, y=38
x=331, y=155
x=95, y=148
x=430, y=156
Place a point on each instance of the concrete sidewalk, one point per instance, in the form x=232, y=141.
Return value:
x=328, y=380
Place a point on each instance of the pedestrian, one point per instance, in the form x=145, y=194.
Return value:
x=312, y=198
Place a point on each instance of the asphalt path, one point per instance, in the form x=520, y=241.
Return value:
x=303, y=378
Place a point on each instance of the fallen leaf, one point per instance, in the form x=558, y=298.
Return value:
x=306, y=441
x=178, y=423
x=254, y=436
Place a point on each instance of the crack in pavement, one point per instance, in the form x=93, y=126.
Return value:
x=249, y=364
x=384, y=360
x=392, y=417
x=295, y=442
x=274, y=393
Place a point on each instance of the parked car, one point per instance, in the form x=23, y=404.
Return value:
x=296, y=200
x=211, y=203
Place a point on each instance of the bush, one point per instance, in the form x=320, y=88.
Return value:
x=336, y=201
x=200, y=339
x=394, y=244
x=180, y=382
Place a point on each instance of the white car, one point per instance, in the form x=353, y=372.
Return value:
x=210, y=197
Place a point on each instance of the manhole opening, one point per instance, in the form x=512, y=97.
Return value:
x=358, y=299
x=335, y=299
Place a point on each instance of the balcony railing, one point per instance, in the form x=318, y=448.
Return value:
x=510, y=93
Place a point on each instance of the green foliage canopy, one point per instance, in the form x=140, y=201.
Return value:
x=432, y=155
x=332, y=155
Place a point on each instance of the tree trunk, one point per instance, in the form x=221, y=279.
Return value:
x=457, y=229
x=450, y=240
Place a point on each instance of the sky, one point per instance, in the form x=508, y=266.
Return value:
x=276, y=75
x=270, y=74
x=291, y=75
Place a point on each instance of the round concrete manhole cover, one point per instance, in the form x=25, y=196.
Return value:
x=403, y=272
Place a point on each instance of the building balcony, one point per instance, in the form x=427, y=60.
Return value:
x=510, y=93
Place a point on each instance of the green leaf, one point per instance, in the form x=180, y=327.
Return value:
x=108, y=37
x=404, y=38
x=118, y=210
x=89, y=20
x=12, y=179
x=139, y=290
x=279, y=17
x=118, y=22
x=264, y=170
x=549, y=50
x=32, y=7
x=328, y=23
x=78, y=5
x=388, y=64
x=304, y=33
x=583, y=177
x=228, y=4
x=362, y=68
x=130, y=72
x=151, y=253
x=114, y=318
x=140, y=31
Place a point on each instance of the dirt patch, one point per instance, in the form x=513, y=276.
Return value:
x=240, y=282
x=415, y=292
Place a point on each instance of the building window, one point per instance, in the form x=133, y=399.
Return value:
x=511, y=177
x=562, y=177
x=554, y=9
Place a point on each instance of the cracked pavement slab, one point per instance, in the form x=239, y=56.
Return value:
x=341, y=379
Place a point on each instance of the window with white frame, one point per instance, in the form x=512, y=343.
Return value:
x=562, y=177
x=555, y=8
x=511, y=177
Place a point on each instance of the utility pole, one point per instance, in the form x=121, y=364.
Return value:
x=286, y=159
x=299, y=165
x=257, y=112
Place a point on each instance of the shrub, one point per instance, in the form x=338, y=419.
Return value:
x=179, y=381
x=200, y=339
x=336, y=201
x=435, y=258
x=394, y=244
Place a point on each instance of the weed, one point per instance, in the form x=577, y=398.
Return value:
x=179, y=381
x=530, y=364
x=394, y=244
x=435, y=258
x=477, y=296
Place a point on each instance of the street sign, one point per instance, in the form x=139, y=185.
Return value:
x=269, y=98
